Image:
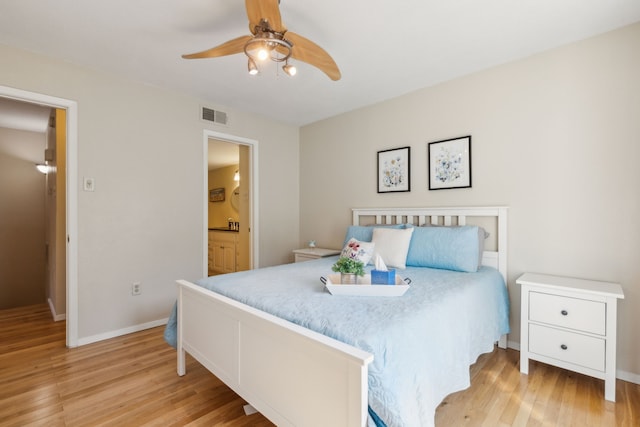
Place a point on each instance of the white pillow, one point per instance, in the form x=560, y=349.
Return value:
x=392, y=245
x=358, y=250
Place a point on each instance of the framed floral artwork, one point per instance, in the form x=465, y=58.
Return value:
x=394, y=172
x=450, y=163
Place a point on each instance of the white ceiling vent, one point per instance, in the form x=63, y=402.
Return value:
x=214, y=116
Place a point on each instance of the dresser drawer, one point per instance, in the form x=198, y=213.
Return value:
x=567, y=346
x=574, y=313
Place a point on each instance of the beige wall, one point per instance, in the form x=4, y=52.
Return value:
x=556, y=137
x=145, y=222
x=22, y=219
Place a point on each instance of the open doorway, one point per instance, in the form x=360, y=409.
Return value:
x=231, y=233
x=25, y=176
x=65, y=117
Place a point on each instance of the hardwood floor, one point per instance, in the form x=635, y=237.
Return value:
x=500, y=396
x=132, y=381
x=125, y=381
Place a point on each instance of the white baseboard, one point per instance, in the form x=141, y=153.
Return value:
x=123, y=331
x=56, y=317
x=628, y=376
x=620, y=374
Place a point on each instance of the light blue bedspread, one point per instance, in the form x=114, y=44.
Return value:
x=423, y=342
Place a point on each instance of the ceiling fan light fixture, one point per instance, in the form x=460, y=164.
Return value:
x=274, y=47
x=271, y=41
x=267, y=44
x=253, y=69
x=291, y=70
x=263, y=54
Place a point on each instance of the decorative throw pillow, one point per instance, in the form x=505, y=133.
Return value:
x=450, y=248
x=364, y=233
x=358, y=250
x=482, y=236
x=392, y=245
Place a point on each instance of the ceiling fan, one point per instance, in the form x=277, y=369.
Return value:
x=270, y=39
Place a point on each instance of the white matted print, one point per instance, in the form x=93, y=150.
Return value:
x=450, y=163
x=394, y=171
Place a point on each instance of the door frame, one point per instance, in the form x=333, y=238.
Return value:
x=253, y=190
x=71, y=198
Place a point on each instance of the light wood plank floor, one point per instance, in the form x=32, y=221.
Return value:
x=131, y=381
x=501, y=396
x=125, y=381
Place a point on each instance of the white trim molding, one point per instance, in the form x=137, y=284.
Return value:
x=253, y=189
x=56, y=317
x=124, y=331
x=72, y=197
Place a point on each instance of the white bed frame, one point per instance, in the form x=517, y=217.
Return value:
x=292, y=375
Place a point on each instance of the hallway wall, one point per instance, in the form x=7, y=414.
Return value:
x=22, y=219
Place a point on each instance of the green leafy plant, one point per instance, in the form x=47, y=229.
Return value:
x=348, y=265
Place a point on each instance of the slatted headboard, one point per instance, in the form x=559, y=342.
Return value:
x=492, y=219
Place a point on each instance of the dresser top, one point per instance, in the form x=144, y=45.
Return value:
x=321, y=252
x=589, y=286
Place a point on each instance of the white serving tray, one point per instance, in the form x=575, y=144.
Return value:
x=364, y=286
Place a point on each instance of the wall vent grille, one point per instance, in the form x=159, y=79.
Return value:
x=209, y=115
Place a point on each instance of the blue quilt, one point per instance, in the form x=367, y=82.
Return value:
x=423, y=342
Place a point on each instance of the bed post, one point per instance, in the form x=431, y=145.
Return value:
x=181, y=354
x=502, y=242
x=502, y=258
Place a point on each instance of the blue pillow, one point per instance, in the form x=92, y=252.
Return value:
x=447, y=248
x=365, y=233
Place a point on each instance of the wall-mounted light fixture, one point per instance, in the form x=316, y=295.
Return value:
x=236, y=176
x=49, y=156
x=42, y=168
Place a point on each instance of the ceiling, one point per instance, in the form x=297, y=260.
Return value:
x=23, y=116
x=383, y=48
x=221, y=154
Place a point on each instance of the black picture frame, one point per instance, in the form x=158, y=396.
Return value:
x=449, y=163
x=394, y=170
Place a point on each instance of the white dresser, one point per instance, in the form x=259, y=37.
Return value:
x=570, y=323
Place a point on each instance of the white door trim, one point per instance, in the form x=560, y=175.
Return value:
x=253, y=190
x=72, y=197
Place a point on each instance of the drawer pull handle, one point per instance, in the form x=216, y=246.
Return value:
x=564, y=312
x=564, y=346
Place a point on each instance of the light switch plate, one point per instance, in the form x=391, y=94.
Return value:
x=89, y=184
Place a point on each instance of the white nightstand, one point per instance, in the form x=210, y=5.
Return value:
x=570, y=323
x=307, y=254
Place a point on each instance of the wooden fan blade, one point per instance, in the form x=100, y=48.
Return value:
x=269, y=10
x=307, y=51
x=228, y=48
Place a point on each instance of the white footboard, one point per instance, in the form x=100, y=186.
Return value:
x=292, y=375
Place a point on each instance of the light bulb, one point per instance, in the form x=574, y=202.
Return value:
x=290, y=69
x=253, y=70
x=263, y=54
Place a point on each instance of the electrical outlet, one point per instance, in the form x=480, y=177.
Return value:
x=136, y=288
